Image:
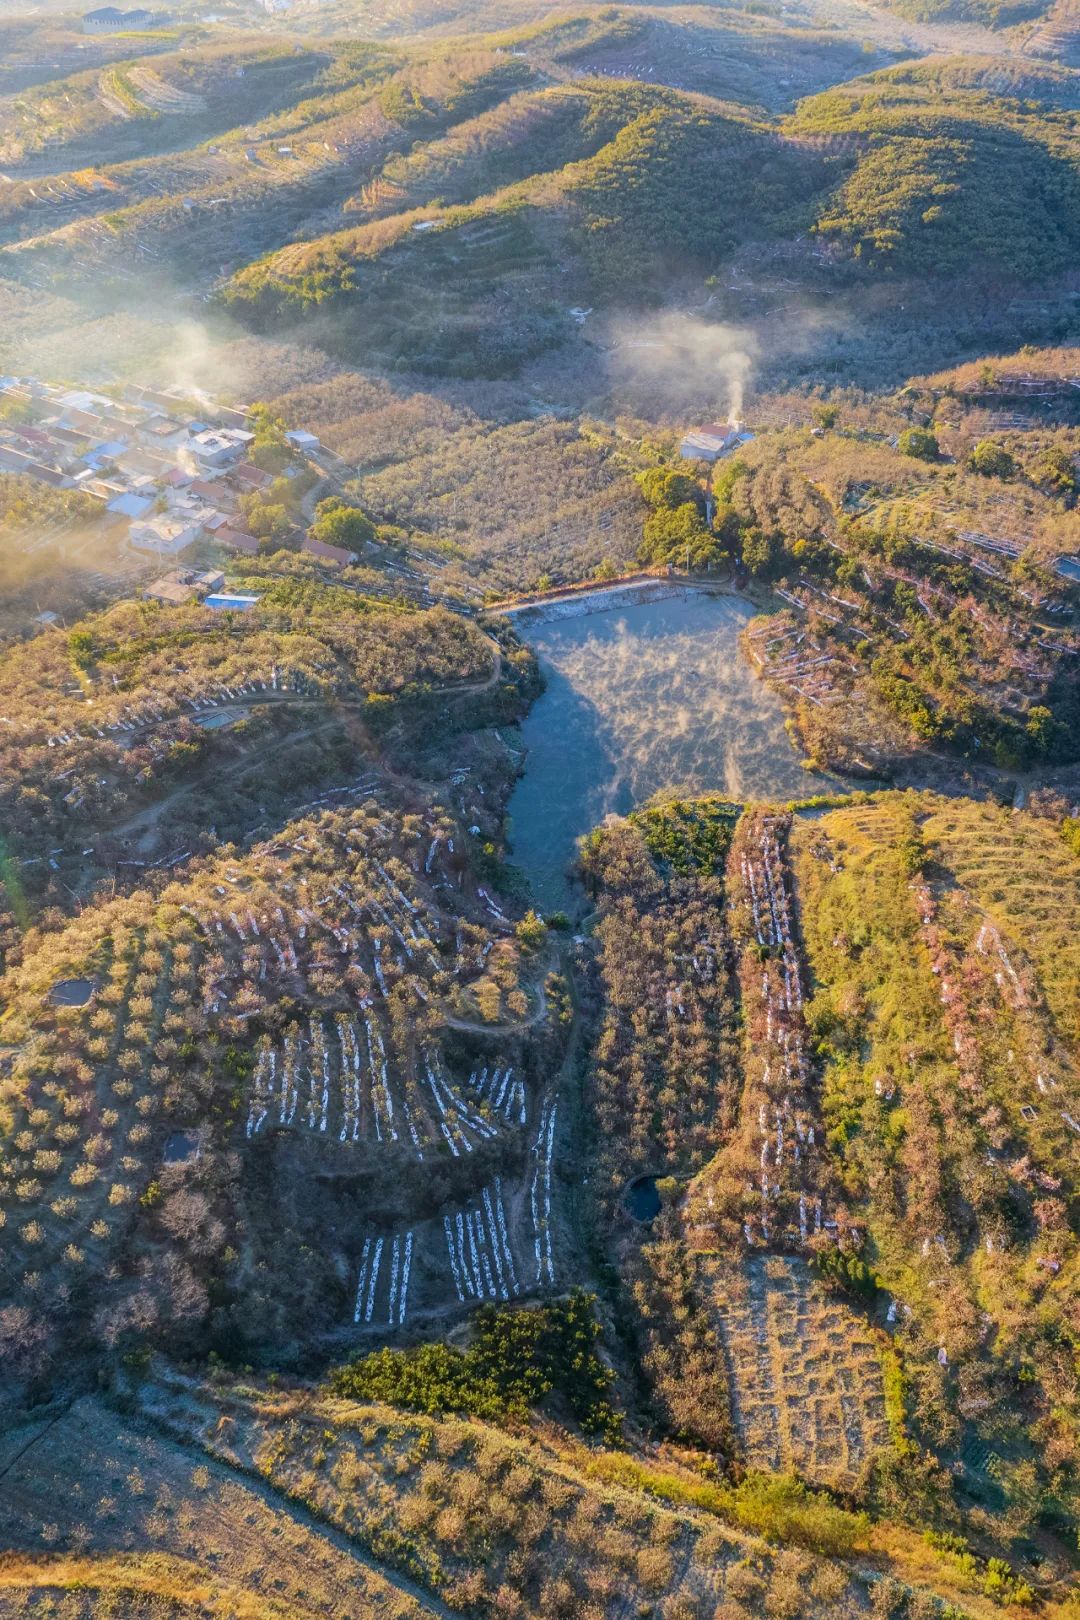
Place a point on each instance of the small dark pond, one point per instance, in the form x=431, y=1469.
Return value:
x=643, y=1199
x=71, y=992
x=181, y=1145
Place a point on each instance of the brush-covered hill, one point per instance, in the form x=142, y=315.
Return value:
x=924, y=568
x=149, y=733
x=890, y=1310
x=947, y=179
x=675, y=186
x=925, y=172
x=450, y=206
x=371, y=1510
x=150, y=102
x=181, y=217
x=945, y=1018
x=849, y=1036
x=242, y=1109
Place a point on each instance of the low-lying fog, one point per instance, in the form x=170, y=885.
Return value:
x=638, y=699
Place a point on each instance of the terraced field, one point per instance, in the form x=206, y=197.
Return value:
x=1018, y=871
x=209, y=1528
x=806, y=1385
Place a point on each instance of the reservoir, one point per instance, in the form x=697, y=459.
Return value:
x=647, y=696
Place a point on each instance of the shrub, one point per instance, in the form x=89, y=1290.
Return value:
x=920, y=443
x=516, y=1359
x=1055, y=471
x=992, y=460
x=663, y=487
x=778, y=1506
x=531, y=931
x=688, y=835
x=678, y=535
x=338, y=524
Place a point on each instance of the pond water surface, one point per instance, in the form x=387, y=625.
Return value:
x=71, y=992
x=645, y=697
x=643, y=1199
x=181, y=1145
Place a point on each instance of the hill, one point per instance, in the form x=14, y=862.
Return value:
x=263, y=1079
x=811, y=1024
x=947, y=178
x=434, y=286
x=944, y=1018
x=924, y=172
x=887, y=566
x=370, y=1243
x=173, y=730
x=129, y=108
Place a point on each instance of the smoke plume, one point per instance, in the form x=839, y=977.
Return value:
x=679, y=365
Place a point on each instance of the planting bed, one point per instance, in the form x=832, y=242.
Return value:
x=806, y=1387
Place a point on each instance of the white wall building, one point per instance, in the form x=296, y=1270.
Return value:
x=164, y=535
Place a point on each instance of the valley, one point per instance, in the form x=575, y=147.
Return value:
x=540, y=810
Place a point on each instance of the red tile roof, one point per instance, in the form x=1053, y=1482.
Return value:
x=335, y=554
x=248, y=473
x=238, y=539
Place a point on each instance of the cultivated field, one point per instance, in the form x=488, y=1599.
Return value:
x=806, y=1387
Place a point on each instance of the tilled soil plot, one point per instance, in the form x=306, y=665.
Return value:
x=806, y=1388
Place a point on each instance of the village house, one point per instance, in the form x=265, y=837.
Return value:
x=711, y=442
x=104, y=455
x=130, y=505
x=139, y=463
x=22, y=461
x=65, y=441
x=183, y=585
x=216, y=448
x=237, y=540
x=165, y=534
x=162, y=433
x=97, y=425
x=248, y=477
x=162, y=402
x=335, y=554
x=34, y=436
x=216, y=491
x=83, y=399
x=303, y=441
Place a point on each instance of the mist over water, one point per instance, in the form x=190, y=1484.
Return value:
x=642, y=698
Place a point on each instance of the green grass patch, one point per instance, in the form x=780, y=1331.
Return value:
x=779, y=1507
x=688, y=835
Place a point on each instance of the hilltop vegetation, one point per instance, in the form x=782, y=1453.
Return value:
x=947, y=178
x=945, y=1022
x=371, y=1242
x=145, y=698
x=283, y=1009
x=926, y=601
x=153, y=101
x=619, y=212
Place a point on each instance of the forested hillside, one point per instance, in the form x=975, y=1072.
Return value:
x=540, y=810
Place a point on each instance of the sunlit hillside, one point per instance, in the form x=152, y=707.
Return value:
x=540, y=810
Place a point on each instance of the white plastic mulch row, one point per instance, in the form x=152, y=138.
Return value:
x=401, y=1252
x=540, y=1191
x=478, y=1247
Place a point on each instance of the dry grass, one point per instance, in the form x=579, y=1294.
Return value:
x=141, y=1515
x=806, y=1382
